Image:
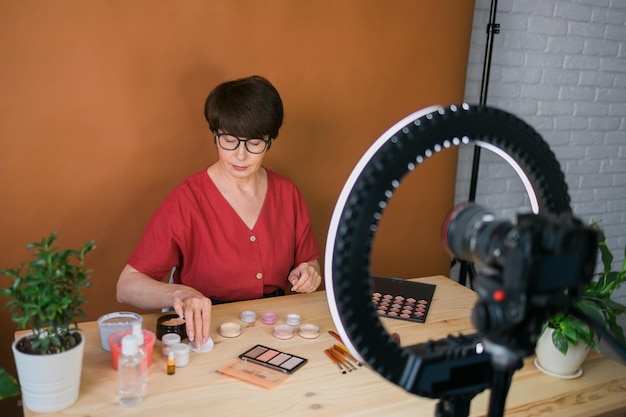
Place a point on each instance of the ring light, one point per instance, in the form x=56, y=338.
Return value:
x=360, y=206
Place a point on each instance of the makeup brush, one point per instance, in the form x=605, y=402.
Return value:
x=340, y=359
x=332, y=358
x=343, y=349
x=344, y=359
x=346, y=353
x=335, y=335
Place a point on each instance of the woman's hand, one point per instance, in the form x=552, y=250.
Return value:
x=305, y=277
x=141, y=291
x=196, y=309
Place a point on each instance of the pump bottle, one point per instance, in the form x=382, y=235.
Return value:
x=137, y=331
x=130, y=382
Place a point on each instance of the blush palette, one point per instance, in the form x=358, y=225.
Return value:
x=273, y=359
x=401, y=299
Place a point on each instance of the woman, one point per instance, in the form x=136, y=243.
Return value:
x=234, y=231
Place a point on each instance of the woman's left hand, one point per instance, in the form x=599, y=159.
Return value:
x=305, y=277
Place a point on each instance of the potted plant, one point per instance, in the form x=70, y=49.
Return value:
x=46, y=297
x=570, y=337
x=8, y=385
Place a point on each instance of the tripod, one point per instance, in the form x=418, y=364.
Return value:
x=504, y=364
x=466, y=270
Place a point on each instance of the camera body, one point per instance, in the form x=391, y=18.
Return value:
x=526, y=273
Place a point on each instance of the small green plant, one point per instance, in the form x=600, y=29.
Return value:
x=8, y=385
x=596, y=303
x=46, y=296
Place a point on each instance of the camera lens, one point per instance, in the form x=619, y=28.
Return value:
x=472, y=234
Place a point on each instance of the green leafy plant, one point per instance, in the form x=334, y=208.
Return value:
x=46, y=296
x=8, y=385
x=596, y=303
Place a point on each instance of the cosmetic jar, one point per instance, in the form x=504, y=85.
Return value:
x=171, y=323
x=293, y=319
x=181, y=354
x=207, y=347
x=283, y=331
x=168, y=340
x=248, y=316
x=114, y=323
x=268, y=318
x=309, y=331
x=230, y=329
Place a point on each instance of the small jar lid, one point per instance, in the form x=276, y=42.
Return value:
x=293, y=319
x=283, y=331
x=309, y=331
x=170, y=339
x=230, y=329
x=268, y=318
x=180, y=349
x=248, y=316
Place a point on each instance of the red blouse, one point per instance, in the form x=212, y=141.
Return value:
x=197, y=231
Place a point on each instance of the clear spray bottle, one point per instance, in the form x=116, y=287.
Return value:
x=137, y=331
x=130, y=382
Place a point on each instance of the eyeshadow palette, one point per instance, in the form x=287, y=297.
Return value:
x=401, y=299
x=273, y=359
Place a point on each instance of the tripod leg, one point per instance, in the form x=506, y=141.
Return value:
x=463, y=273
x=499, y=390
x=457, y=406
x=467, y=270
x=472, y=275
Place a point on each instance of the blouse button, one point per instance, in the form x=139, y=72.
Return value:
x=252, y=238
x=259, y=275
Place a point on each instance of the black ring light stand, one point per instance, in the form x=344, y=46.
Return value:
x=467, y=271
x=450, y=369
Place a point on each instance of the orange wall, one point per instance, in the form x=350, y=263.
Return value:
x=101, y=113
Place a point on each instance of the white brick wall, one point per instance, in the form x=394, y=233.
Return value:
x=560, y=65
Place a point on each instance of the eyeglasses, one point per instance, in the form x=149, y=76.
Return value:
x=229, y=142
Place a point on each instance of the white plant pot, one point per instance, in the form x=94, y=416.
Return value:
x=49, y=383
x=552, y=362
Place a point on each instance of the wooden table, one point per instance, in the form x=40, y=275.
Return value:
x=319, y=389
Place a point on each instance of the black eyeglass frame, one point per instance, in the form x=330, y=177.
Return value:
x=217, y=135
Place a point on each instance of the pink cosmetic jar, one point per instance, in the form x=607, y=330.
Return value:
x=268, y=318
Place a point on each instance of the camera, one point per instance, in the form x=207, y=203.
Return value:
x=526, y=272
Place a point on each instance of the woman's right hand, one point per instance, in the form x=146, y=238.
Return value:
x=141, y=291
x=196, y=309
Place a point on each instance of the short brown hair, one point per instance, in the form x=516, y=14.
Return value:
x=248, y=107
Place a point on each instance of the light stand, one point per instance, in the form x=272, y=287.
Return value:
x=466, y=269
